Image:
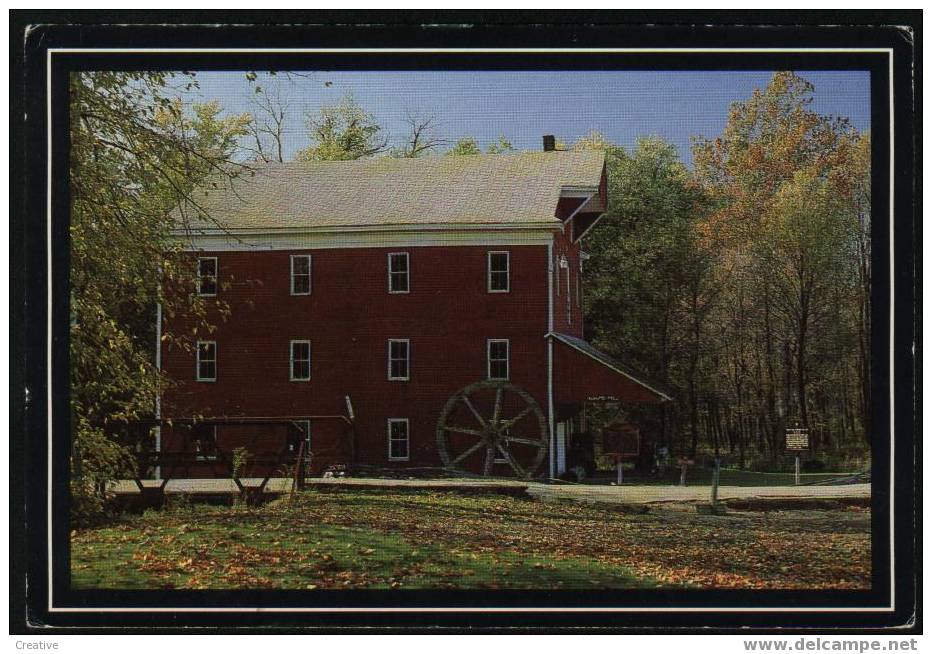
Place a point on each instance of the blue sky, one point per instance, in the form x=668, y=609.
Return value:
x=523, y=106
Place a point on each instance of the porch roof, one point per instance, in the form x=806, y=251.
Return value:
x=584, y=372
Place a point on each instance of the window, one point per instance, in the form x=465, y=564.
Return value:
x=397, y=439
x=207, y=276
x=399, y=351
x=398, y=272
x=300, y=360
x=498, y=358
x=204, y=439
x=301, y=432
x=207, y=361
x=300, y=274
x=498, y=265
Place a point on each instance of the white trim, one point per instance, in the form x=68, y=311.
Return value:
x=407, y=359
x=490, y=236
x=407, y=272
x=310, y=277
x=216, y=276
x=197, y=364
x=892, y=273
x=581, y=206
x=291, y=360
x=488, y=358
x=407, y=439
x=549, y=224
x=488, y=268
x=553, y=335
x=586, y=231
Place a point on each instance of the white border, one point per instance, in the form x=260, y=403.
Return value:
x=747, y=609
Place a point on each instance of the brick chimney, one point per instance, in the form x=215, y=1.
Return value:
x=550, y=143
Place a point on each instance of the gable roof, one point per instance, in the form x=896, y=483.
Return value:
x=515, y=189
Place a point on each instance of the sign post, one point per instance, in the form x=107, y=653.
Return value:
x=623, y=441
x=797, y=440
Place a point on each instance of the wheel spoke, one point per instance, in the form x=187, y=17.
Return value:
x=498, y=405
x=512, y=421
x=461, y=430
x=512, y=462
x=473, y=409
x=523, y=441
x=467, y=453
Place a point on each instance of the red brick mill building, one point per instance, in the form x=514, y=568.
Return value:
x=396, y=313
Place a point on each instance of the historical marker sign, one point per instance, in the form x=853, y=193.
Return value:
x=621, y=440
x=797, y=439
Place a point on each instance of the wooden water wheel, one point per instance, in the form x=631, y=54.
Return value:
x=489, y=423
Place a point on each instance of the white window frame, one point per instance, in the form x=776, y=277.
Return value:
x=209, y=457
x=488, y=358
x=407, y=441
x=407, y=359
x=291, y=360
x=197, y=363
x=216, y=276
x=407, y=272
x=488, y=268
x=310, y=281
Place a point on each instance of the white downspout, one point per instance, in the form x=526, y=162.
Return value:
x=550, y=425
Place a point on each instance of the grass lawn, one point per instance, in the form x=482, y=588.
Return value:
x=378, y=539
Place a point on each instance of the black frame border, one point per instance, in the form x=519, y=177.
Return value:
x=29, y=224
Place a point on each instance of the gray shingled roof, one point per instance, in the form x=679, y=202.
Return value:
x=478, y=189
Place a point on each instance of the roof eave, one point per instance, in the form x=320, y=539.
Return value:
x=549, y=224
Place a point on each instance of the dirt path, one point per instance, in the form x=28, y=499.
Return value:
x=651, y=494
x=627, y=494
